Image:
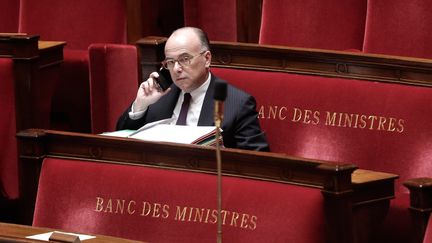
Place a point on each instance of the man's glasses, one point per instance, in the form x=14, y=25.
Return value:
x=184, y=60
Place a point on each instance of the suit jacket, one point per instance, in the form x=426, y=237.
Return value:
x=240, y=124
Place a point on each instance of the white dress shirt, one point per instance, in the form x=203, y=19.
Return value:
x=197, y=100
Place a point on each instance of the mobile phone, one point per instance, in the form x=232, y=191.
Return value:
x=164, y=79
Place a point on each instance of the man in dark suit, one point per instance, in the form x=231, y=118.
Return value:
x=188, y=58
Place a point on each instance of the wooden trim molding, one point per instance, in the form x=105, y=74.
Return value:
x=326, y=63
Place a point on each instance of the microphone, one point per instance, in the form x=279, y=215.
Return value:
x=220, y=92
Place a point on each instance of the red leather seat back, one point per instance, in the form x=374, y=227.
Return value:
x=8, y=145
x=162, y=205
x=9, y=11
x=379, y=126
x=334, y=24
x=113, y=83
x=399, y=27
x=217, y=18
x=78, y=22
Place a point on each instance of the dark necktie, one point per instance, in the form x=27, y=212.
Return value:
x=184, y=109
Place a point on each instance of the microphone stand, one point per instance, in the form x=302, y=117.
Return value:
x=219, y=170
x=220, y=93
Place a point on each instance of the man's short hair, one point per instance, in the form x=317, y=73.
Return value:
x=202, y=36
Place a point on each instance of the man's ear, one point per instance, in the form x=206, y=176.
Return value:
x=208, y=57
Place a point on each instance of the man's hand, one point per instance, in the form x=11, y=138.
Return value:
x=148, y=93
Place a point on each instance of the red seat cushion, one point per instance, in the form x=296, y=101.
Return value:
x=161, y=205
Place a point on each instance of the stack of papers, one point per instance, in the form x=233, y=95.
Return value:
x=162, y=131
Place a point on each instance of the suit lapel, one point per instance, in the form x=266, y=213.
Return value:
x=206, y=116
x=165, y=106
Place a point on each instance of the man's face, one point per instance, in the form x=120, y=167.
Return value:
x=186, y=47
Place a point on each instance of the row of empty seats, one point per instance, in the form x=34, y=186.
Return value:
x=372, y=26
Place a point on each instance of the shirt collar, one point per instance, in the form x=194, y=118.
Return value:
x=201, y=90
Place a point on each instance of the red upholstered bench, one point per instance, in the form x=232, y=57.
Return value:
x=369, y=110
x=165, y=205
x=378, y=126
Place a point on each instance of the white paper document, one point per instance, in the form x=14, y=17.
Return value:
x=163, y=131
x=46, y=236
x=173, y=133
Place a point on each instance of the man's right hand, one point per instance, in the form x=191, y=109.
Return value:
x=148, y=93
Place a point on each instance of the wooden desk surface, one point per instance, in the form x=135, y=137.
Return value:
x=360, y=176
x=50, y=44
x=17, y=233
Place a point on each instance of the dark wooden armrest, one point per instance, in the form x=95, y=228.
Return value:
x=420, y=194
x=420, y=204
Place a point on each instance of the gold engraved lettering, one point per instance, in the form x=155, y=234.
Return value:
x=235, y=216
x=224, y=214
x=146, y=209
x=330, y=119
x=261, y=112
x=348, y=120
x=244, y=220
x=120, y=206
x=306, y=116
x=356, y=120
x=214, y=216
x=131, y=207
x=207, y=215
x=297, y=115
x=363, y=121
x=199, y=213
x=156, y=208
x=372, y=122
x=400, y=125
x=340, y=119
x=391, y=124
x=165, y=211
x=253, y=222
x=372, y=119
x=109, y=206
x=180, y=213
x=316, y=116
x=272, y=112
x=99, y=204
x=381, y=122
x=190, y=214
x=282, y=115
